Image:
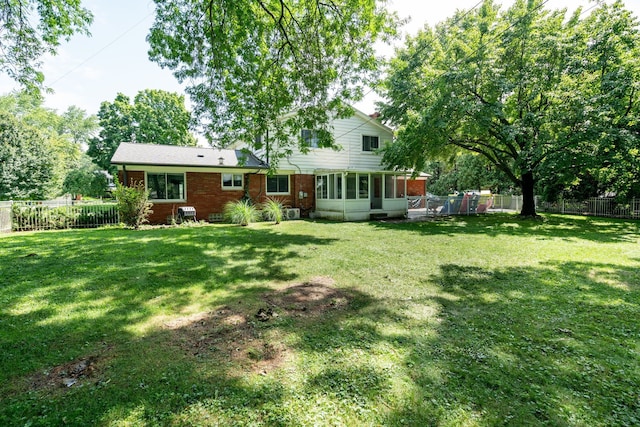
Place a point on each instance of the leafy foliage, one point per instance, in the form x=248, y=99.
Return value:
x=62, y=135
x=86, y=179
x=25, y=37
x=26, y=166
x=155, y=117
x=468, y=171
x=533, y=92
x=248, y=63
x=241, y=212
x=133, y=203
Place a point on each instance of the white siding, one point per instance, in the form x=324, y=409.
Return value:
x=348, y=136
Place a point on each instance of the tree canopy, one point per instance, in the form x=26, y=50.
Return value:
x=86, y=179
x=60, y=139
x=248, y=63
x=467, y=171
x=31, y=28
x=26, y=168
x=154, y=117
x=537, y=94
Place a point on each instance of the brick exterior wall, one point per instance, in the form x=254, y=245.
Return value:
x=415, y=187
x=305, y=184
x=205, y=194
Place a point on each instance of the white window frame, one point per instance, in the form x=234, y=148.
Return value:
x=232, y=187
x=278, y=192
x=184, y=185
x=313, y=140
x=371, y=149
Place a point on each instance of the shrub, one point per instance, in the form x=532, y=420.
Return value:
x=273, y=210
x=133, y=204
x=27, y=217
x=242, y=212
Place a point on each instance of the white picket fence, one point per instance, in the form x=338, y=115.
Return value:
x=56, y=214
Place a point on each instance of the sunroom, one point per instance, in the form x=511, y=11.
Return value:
x=348, y=195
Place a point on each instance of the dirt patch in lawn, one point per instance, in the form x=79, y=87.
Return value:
x=252, y=338
x=71, y=374
x=314, y=297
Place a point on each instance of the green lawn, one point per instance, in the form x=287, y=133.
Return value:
x=488, y=320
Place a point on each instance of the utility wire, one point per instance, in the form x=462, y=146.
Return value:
x=105, y=47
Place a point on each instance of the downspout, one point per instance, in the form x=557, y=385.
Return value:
x=124, y=175
x=299, y=184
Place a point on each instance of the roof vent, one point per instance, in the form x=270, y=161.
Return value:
x=221, y=160
x=201, y=155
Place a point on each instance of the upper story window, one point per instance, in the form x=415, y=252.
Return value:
x=166, y=186
x=232, y=181
x=310, y=138
x=278, y=184
x=370, y=143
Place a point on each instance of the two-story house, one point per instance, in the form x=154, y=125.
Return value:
x=348, y=184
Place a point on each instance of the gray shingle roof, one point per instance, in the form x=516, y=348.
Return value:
x=171, y=155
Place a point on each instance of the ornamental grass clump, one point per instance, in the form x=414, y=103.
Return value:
x=241, y=212
x=273, y=210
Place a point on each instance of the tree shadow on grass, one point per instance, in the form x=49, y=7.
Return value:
x=549, y=226
x=553, y=344
x=518, y=347
x=70, y=290
x=214, y=367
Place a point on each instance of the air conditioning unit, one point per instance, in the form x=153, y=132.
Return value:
x=293, y=213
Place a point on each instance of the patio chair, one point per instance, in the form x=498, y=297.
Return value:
x=484, y=207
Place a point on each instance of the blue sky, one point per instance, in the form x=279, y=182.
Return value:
x=89, y=70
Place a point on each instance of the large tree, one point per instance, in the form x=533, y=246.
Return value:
x=31, y=28
x=26, y=164
x=63, y=135
x=529, y=89
x=249, y=62
x=154, y=117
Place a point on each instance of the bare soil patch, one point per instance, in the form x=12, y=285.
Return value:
x=250, y=338
x=314, y=297
x=67, y=375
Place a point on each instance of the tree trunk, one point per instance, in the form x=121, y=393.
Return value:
x=528, y=199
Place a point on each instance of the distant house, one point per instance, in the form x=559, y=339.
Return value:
x=348, y=184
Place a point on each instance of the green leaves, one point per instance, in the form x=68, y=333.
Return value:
x=526, y=88
x=26, y=166
x=247, y=63
x=27, y=36
x=155, y=117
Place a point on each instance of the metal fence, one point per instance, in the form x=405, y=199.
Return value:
x=56, y=214
x=470, y=204
x=466, y=204
x=596, y=206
